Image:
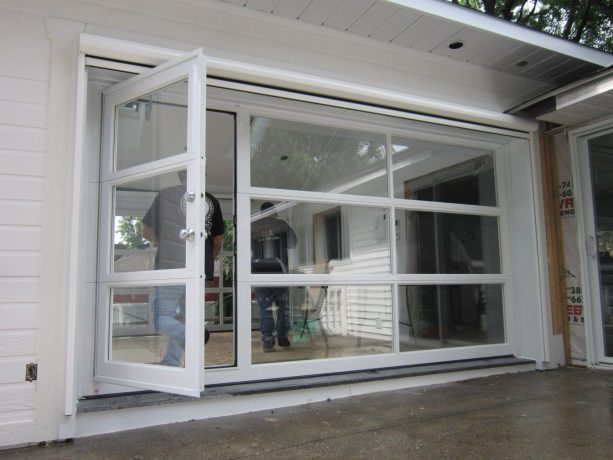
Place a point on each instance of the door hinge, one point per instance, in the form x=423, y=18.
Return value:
x=31, y=372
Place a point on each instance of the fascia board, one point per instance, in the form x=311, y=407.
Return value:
x=478, y=20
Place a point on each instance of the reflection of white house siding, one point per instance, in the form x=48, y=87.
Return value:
x=24, y=79
x=360, y=311
x=369, y=312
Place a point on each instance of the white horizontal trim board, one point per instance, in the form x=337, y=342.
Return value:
x=13, y=212
x=26, y=67
x=19, y=316
x=18, y=290
x=14, y=370
x=296, y=81
x=16, y=397
x=21, y=138
x=19, y=238
x=18, y=343
x=21, y=163
x=19, y=264
x=21, y=188
x=22, y=90
x=27, y=114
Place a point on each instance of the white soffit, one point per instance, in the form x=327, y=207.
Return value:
x=432, y=25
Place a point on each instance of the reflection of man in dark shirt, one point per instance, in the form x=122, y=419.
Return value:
x=271, y=238
x=162, y=225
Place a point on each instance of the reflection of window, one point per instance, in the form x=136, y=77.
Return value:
x=328, y=237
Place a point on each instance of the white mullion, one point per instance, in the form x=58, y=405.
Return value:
x=150, y=169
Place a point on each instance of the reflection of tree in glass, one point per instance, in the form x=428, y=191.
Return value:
x=130, y=230
x=605, y=242
x=309, y=157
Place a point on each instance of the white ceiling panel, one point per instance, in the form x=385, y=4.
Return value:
x=505, y=61
x=266, y=6
x=418, y=29
x=437, y=36
x=394, y=26
x=343, y=18
x=431, y=27
x=291, y=9
x=372, y=19
x=320, y=10
x=475, y=42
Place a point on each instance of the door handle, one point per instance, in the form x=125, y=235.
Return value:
x=187, y=234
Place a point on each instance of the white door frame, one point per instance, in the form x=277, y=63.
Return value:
x=578, y=142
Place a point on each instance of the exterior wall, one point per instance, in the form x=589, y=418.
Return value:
x=24, y=82
x=37, y=95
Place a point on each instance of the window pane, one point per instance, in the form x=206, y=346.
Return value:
x=152, y=126
x=291, y=237
x=303, y=156
x=148, y=325
x=431, y=171
x=450, y=316
x=429, y=242
x=148, y=216
x=321, y=322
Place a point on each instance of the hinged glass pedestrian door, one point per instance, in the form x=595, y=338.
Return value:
x=150, y=312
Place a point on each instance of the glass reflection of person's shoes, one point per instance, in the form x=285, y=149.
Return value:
x=283, y=342
x=207, y=336
x=168, y=362
x=268, y=345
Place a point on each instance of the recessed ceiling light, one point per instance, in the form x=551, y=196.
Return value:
x=456, y=45
x=521, y=64
x=284, y=157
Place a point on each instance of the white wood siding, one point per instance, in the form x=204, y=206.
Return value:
x=24, y=69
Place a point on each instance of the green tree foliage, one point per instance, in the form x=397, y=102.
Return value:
x=130, y=230
x=589, y=22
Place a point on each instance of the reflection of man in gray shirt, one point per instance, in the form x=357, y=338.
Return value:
x=161, y=225
x=271, y=238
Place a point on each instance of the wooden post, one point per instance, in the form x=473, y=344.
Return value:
x=555, y=246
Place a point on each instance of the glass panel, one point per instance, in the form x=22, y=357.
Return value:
x=220, y=348
x=289, y=237
x=429, y=242
x=450, y=316
x=152, y=126
x=430, y=171
x=303, y=156
x=601, y=158
x=318, y=322
x=148, y=216
x=227, y=270
x=148, y=325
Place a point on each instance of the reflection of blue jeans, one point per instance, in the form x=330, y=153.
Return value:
x=170, y=321
x=265, y=297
